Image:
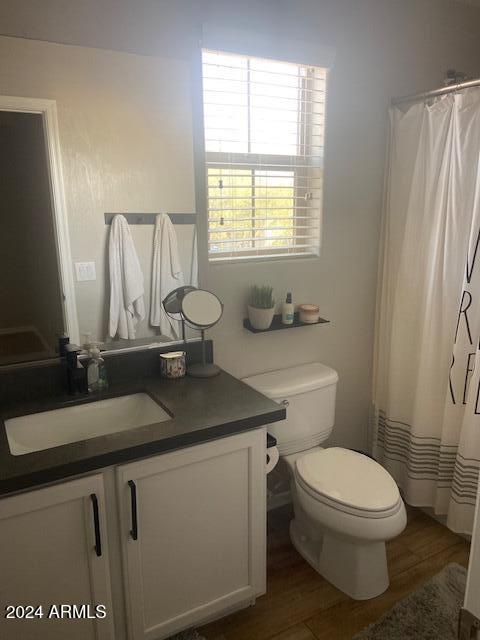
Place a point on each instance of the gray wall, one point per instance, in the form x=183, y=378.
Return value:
x=383, y=48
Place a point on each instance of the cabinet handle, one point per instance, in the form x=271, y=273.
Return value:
x=133, y=496
x=96, y=525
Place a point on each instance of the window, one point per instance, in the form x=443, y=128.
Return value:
x=264, y=138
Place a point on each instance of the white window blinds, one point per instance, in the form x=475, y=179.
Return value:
x=264, y=138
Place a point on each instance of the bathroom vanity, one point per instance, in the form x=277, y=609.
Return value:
x=163, y=524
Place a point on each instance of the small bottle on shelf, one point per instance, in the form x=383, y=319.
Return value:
x=288, y=310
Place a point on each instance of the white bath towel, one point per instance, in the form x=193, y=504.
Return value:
x=167, y=274
x=126, y=281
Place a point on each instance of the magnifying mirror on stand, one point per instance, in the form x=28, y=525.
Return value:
x=201, y=310
x=172, y=304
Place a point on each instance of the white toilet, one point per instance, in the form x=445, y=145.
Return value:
x=346, y=505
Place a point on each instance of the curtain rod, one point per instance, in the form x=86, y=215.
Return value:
x=437, y=92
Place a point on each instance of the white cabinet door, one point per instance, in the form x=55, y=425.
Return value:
x=53, y=552
x=193, y=533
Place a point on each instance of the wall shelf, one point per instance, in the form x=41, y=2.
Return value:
x=277, y=324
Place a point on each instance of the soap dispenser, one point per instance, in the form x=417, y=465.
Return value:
x=96, y=372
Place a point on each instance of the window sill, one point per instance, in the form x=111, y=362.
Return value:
x=275, y=258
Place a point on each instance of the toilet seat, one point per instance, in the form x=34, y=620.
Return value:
x=348, y=481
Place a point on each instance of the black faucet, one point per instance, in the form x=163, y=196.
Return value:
x=76, y=373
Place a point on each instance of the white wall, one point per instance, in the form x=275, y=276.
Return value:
x=383, y=48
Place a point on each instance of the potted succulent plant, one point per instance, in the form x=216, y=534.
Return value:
x=261, y=307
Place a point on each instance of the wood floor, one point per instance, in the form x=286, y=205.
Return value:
x=301, y=605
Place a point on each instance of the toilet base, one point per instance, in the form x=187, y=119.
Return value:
x=358, y=569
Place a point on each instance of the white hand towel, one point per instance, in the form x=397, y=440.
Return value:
x=126, y=281
x=167, y=274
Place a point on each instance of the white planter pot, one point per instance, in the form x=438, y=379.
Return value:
x=260, y=318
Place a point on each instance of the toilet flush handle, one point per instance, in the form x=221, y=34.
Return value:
x=285, y=403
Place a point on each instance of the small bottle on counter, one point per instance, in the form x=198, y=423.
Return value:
x=96, y=371
x=288, y=310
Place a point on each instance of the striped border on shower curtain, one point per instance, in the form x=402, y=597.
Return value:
x=426, y=458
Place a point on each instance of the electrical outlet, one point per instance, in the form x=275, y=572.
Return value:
x=85, y=271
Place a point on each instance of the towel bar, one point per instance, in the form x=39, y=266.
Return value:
x=149, y=218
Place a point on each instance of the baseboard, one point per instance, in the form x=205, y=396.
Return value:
x=278, y=500
x=442, y=520
x=226, y=612
x=25, y=329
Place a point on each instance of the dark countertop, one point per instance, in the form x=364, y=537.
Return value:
x=202, y=410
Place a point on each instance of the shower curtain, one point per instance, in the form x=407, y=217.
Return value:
x=426, y=419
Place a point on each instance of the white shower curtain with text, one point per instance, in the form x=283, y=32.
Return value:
x=426, y=426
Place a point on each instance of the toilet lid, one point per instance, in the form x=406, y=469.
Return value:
x=349, y=478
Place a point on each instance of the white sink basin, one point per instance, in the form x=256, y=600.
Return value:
x=39, y=431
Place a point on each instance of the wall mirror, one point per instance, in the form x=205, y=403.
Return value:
x=112, y=135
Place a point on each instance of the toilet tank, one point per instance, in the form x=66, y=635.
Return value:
x=308, y=391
